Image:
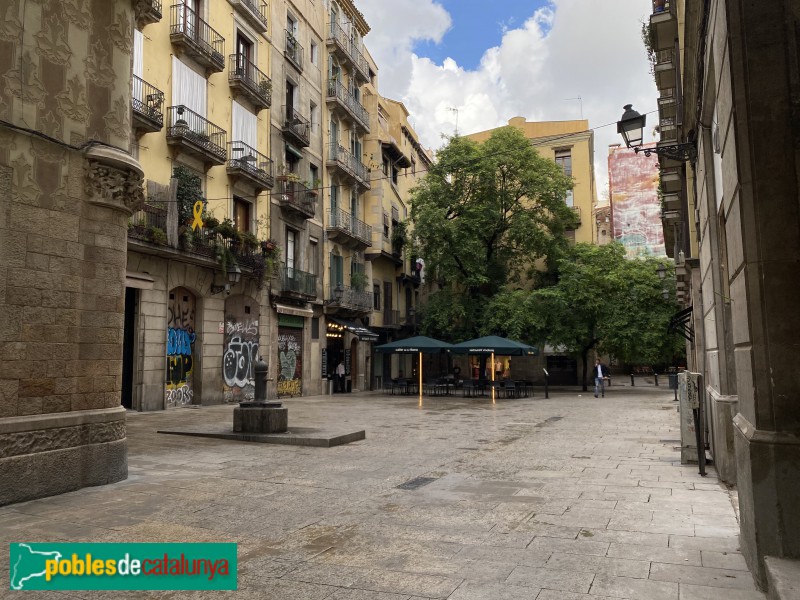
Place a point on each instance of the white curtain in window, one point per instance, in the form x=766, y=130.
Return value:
x=245, y=126
x=137, y=52
x=188, y=87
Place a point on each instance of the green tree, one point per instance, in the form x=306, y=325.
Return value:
x=482, y=217
x=602, y=301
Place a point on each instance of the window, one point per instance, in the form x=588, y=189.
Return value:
x=386, y=225
x=394, y=174
x=385, y=165
x=413, y=167
x=314, y=53
x=188, y=87
x=313, y=176
x=313, y=114
x=241, y=214
x=376, y=296
x=291, y=26
x=290, y=248
x=245, y=126
x=313, y=248
x=337, y=270
x=564, y=160
x=334, y=197
x=289, y=100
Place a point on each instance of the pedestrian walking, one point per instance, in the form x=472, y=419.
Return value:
x=340, y=376
x=600, y=373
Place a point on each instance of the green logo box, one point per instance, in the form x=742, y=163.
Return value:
x=96, y=566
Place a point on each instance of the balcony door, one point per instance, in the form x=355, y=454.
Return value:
x=244, y=56
x=290, y=252
x=387, y=302
x=189, y=13
x=241, y=214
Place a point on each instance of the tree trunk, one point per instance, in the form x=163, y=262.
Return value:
x=585, y=357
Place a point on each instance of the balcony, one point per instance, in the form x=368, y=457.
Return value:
x=296, y=128
x=296, y=198
x=340, y=96
x=293, y=51
x=148, y=106
x=670, y=180
x=147, y=11
x=197, y=38
x=340, y=157
x=344, y=298
x=249, y=81
x=196, y=136
x=665, y=69
x=254, y=11
x=664, y=24
x=667, y=129
x=247, y=162
x=298, y=284
x=340, y=44
x=149, y=224
x=347, y=230
x=671, y=201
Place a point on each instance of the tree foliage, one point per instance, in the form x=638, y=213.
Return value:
x=602, y=301
x=482, y=216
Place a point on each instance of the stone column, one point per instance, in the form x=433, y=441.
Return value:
x=67, y=189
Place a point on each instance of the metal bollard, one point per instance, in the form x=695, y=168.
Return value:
x=260, y=370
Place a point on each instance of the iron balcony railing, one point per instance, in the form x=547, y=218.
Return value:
x=148, y=101
x=297, y=281
x=243, y=71
x=147, y=11
x=186, y=124
x=348, y=297
x=297, y=126
x=258, y=11
x=349, y=163
x=295, y=195
x=294, y=51
x=344, y=221
x=340, y=37
x=664, y=57
x=251, y=161
x=339, y=92
x=187, y=25
x=147, y=221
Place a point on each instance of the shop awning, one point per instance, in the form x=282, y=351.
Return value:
x=362, y=333
x=297, y=311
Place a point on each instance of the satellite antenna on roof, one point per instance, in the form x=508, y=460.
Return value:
x=579, y=99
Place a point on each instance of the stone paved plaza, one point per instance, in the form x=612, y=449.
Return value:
x=571, y=498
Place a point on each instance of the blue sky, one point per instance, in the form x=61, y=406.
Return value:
x=477, y=26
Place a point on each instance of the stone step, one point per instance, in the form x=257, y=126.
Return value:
x=783, y=577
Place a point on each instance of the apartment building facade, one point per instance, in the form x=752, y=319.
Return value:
x=727, y=77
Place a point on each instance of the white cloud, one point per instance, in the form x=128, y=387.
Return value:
x=572, y=48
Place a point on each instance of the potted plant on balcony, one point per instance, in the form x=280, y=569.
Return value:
x=157, y=235
x=226, y=229
x=358, y=281
x=265, y=88
x=250, y=242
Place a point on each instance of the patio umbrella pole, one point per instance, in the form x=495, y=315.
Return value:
x=492, y=377
x=420, y=377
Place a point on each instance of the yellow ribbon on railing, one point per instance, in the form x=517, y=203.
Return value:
x=197, y=209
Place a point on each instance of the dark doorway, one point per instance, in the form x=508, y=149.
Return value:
x=128, y=345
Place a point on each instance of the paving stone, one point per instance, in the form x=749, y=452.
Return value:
x=725, y=544
x=412, y=584
x=568, y=581
x=599, y=564
x=637, y=538
x=653, y=554
x=558, y=595
x=724, y=560
x=720, y=578
x=635, y=589
x=580, y=546
x=701, y=592
x=492, y=591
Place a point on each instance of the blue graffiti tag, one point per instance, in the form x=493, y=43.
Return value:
x=179, y=342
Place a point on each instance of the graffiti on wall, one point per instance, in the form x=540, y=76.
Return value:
x=633, y=182
x=290, y=362
x=240, y=349
x=180, y=348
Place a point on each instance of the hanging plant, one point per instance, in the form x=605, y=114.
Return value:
x=189, y=191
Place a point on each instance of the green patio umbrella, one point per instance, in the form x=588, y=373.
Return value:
x=492, y=345
x=416, y=345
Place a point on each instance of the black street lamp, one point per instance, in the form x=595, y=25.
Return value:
x=631, y=128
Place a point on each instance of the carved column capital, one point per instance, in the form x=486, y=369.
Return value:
x=113, y=179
